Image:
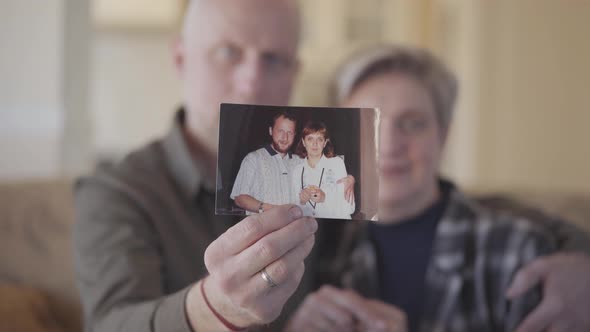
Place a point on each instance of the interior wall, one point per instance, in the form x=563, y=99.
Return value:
x=30, y=88
x=135, y=89
x=534, y=117
x=521, y=118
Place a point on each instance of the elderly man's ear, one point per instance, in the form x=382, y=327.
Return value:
x=177, y=49
x=444, y=134
x=297, y=65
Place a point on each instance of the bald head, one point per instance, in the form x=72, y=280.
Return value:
x=240, y=51
x=197, y=13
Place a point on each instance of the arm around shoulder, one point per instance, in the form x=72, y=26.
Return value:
x=536, y=243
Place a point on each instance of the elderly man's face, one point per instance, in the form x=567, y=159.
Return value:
x=235, y=51
x=410, y=138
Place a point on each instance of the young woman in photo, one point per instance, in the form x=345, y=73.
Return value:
x=315, y=186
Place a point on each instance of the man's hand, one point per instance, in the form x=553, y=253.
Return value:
x=333, y=309
x=251, y=204
x=348, y=188
x=277, y=241
x=566, y=293
x=266, y=206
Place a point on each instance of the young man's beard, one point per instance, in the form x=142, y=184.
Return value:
x=278, y=149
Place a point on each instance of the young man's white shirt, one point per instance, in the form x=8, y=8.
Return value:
x=266, y=176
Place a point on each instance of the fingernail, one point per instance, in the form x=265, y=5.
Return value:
x=295, y=212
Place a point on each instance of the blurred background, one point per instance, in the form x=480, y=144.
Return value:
x=87, y=80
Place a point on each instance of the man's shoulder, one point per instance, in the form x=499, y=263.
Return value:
x=141, y=170
x=252, y=158
x=261, y=152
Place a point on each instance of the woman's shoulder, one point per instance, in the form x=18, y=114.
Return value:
x=336, y=160
x=336, y=163
x=298, y=165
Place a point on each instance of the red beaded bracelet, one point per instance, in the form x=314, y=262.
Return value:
x=223, y=321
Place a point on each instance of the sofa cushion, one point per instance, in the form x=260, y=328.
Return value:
x=26, y=309
x=35, y=243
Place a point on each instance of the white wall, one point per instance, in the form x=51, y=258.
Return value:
x=522, y=120
x=535, y=114
x=135, y=89
x=50, y=78
x=30, y=87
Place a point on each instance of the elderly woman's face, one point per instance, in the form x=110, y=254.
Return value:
x=410, y=137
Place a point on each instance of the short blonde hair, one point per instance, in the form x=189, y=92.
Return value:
x=440, y=82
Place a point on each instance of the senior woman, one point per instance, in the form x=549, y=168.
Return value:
x=437, y=260
x=314, y=181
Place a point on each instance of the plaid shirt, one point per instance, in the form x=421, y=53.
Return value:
x=476, y=253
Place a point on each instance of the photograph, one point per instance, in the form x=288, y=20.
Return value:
x=323, y=159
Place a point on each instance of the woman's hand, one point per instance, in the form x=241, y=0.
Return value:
x=333, y=309
x=319, y=312
x=318, y=195
x=304, y=196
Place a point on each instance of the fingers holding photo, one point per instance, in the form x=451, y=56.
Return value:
x=257, y=264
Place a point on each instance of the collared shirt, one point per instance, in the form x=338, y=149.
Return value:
x=266, y=176
x=476, y=252
x=142, y=227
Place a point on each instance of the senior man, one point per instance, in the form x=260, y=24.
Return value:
x=150, y=253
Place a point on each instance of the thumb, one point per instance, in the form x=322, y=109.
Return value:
x=527, y=277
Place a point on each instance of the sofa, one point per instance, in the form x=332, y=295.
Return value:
x=37, y=287
x=37, y=284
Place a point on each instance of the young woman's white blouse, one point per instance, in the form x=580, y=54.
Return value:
x=325, y=175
